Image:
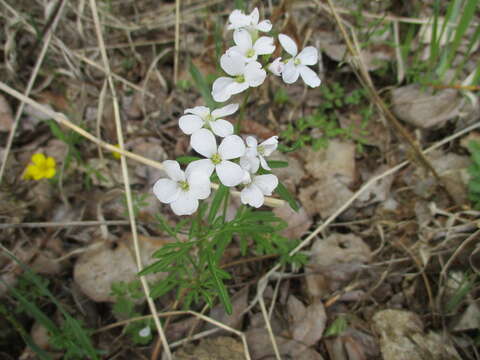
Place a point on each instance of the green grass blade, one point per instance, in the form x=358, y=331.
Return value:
x=202, y=85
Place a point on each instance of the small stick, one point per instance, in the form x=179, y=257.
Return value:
x=62, y=224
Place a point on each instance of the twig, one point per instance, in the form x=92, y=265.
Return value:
x=62, y=224
x=177, y=41
x=126, y=180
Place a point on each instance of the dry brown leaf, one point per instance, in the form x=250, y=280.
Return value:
x=308, y=323
x=261, y=347
x=298, y=221
x=424, y=109
x=335, y=260
x=337, y=160
x=239, y=303
x=292, y=175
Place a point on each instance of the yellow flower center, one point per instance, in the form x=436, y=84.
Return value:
x=184, y=185
x=297, y=61
x=261, y=150
x=250, y=53
x=216, y=159
x=240, y=79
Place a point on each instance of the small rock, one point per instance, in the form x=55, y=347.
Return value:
x=402, y=338
x=97, y=269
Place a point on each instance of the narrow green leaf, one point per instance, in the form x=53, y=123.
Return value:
x=220, y=195
x=283, y=192
x=222, y=290
x=202, y=85
x=184, y=160
x=277, y=164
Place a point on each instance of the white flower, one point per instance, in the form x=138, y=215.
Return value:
x=255, y=154
x=239, y=20
x=257, y=186
x=202, y=117
x=145, y=332
x=276, y=67
x=247, y=49
x=183, y=190
x=297, y=65
x=245, y=75
x=232, y=147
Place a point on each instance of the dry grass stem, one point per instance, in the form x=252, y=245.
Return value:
x=126, y=179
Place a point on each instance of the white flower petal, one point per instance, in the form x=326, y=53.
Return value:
x=290, y=72
x=203, y=142
x=225, y=111
x=276, y=67
x=308, y=56
x=288, y=44
x=264, y=26
x=264, y=163
x=232, y=64
x=203, y=165
x=201, y=111
x=254, y=16
x=232, y=147
x=250, y=163
x=190, y=123
x=237, y=88
x=243, y=40
x=264, y=45
x=222, y=128
x=145, y=332
x=229, y=173
x=172, y=168
x=270, y=145
x=199, y=184
x=238, y=19
x=252, y=195
x=254, y=74
x=309, y=76
x=220, y=89
x=185, y=204
x=251, y=141
x=266, y=183
x=166, y=190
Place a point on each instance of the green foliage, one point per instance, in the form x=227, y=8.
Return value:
x=474, y=171
x=281, y=96
x=317, y=129
x=193, y=266
x=124, y=307
x=449, y=26
x=71, y=336
x=70, y=138
x=337, y=327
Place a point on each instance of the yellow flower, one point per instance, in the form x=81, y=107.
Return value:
x=40, y=167
x=115, y=154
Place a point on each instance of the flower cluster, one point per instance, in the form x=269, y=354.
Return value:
x=40, y=167
x=236, y=162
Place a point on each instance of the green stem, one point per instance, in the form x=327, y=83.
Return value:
x=225, y=205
